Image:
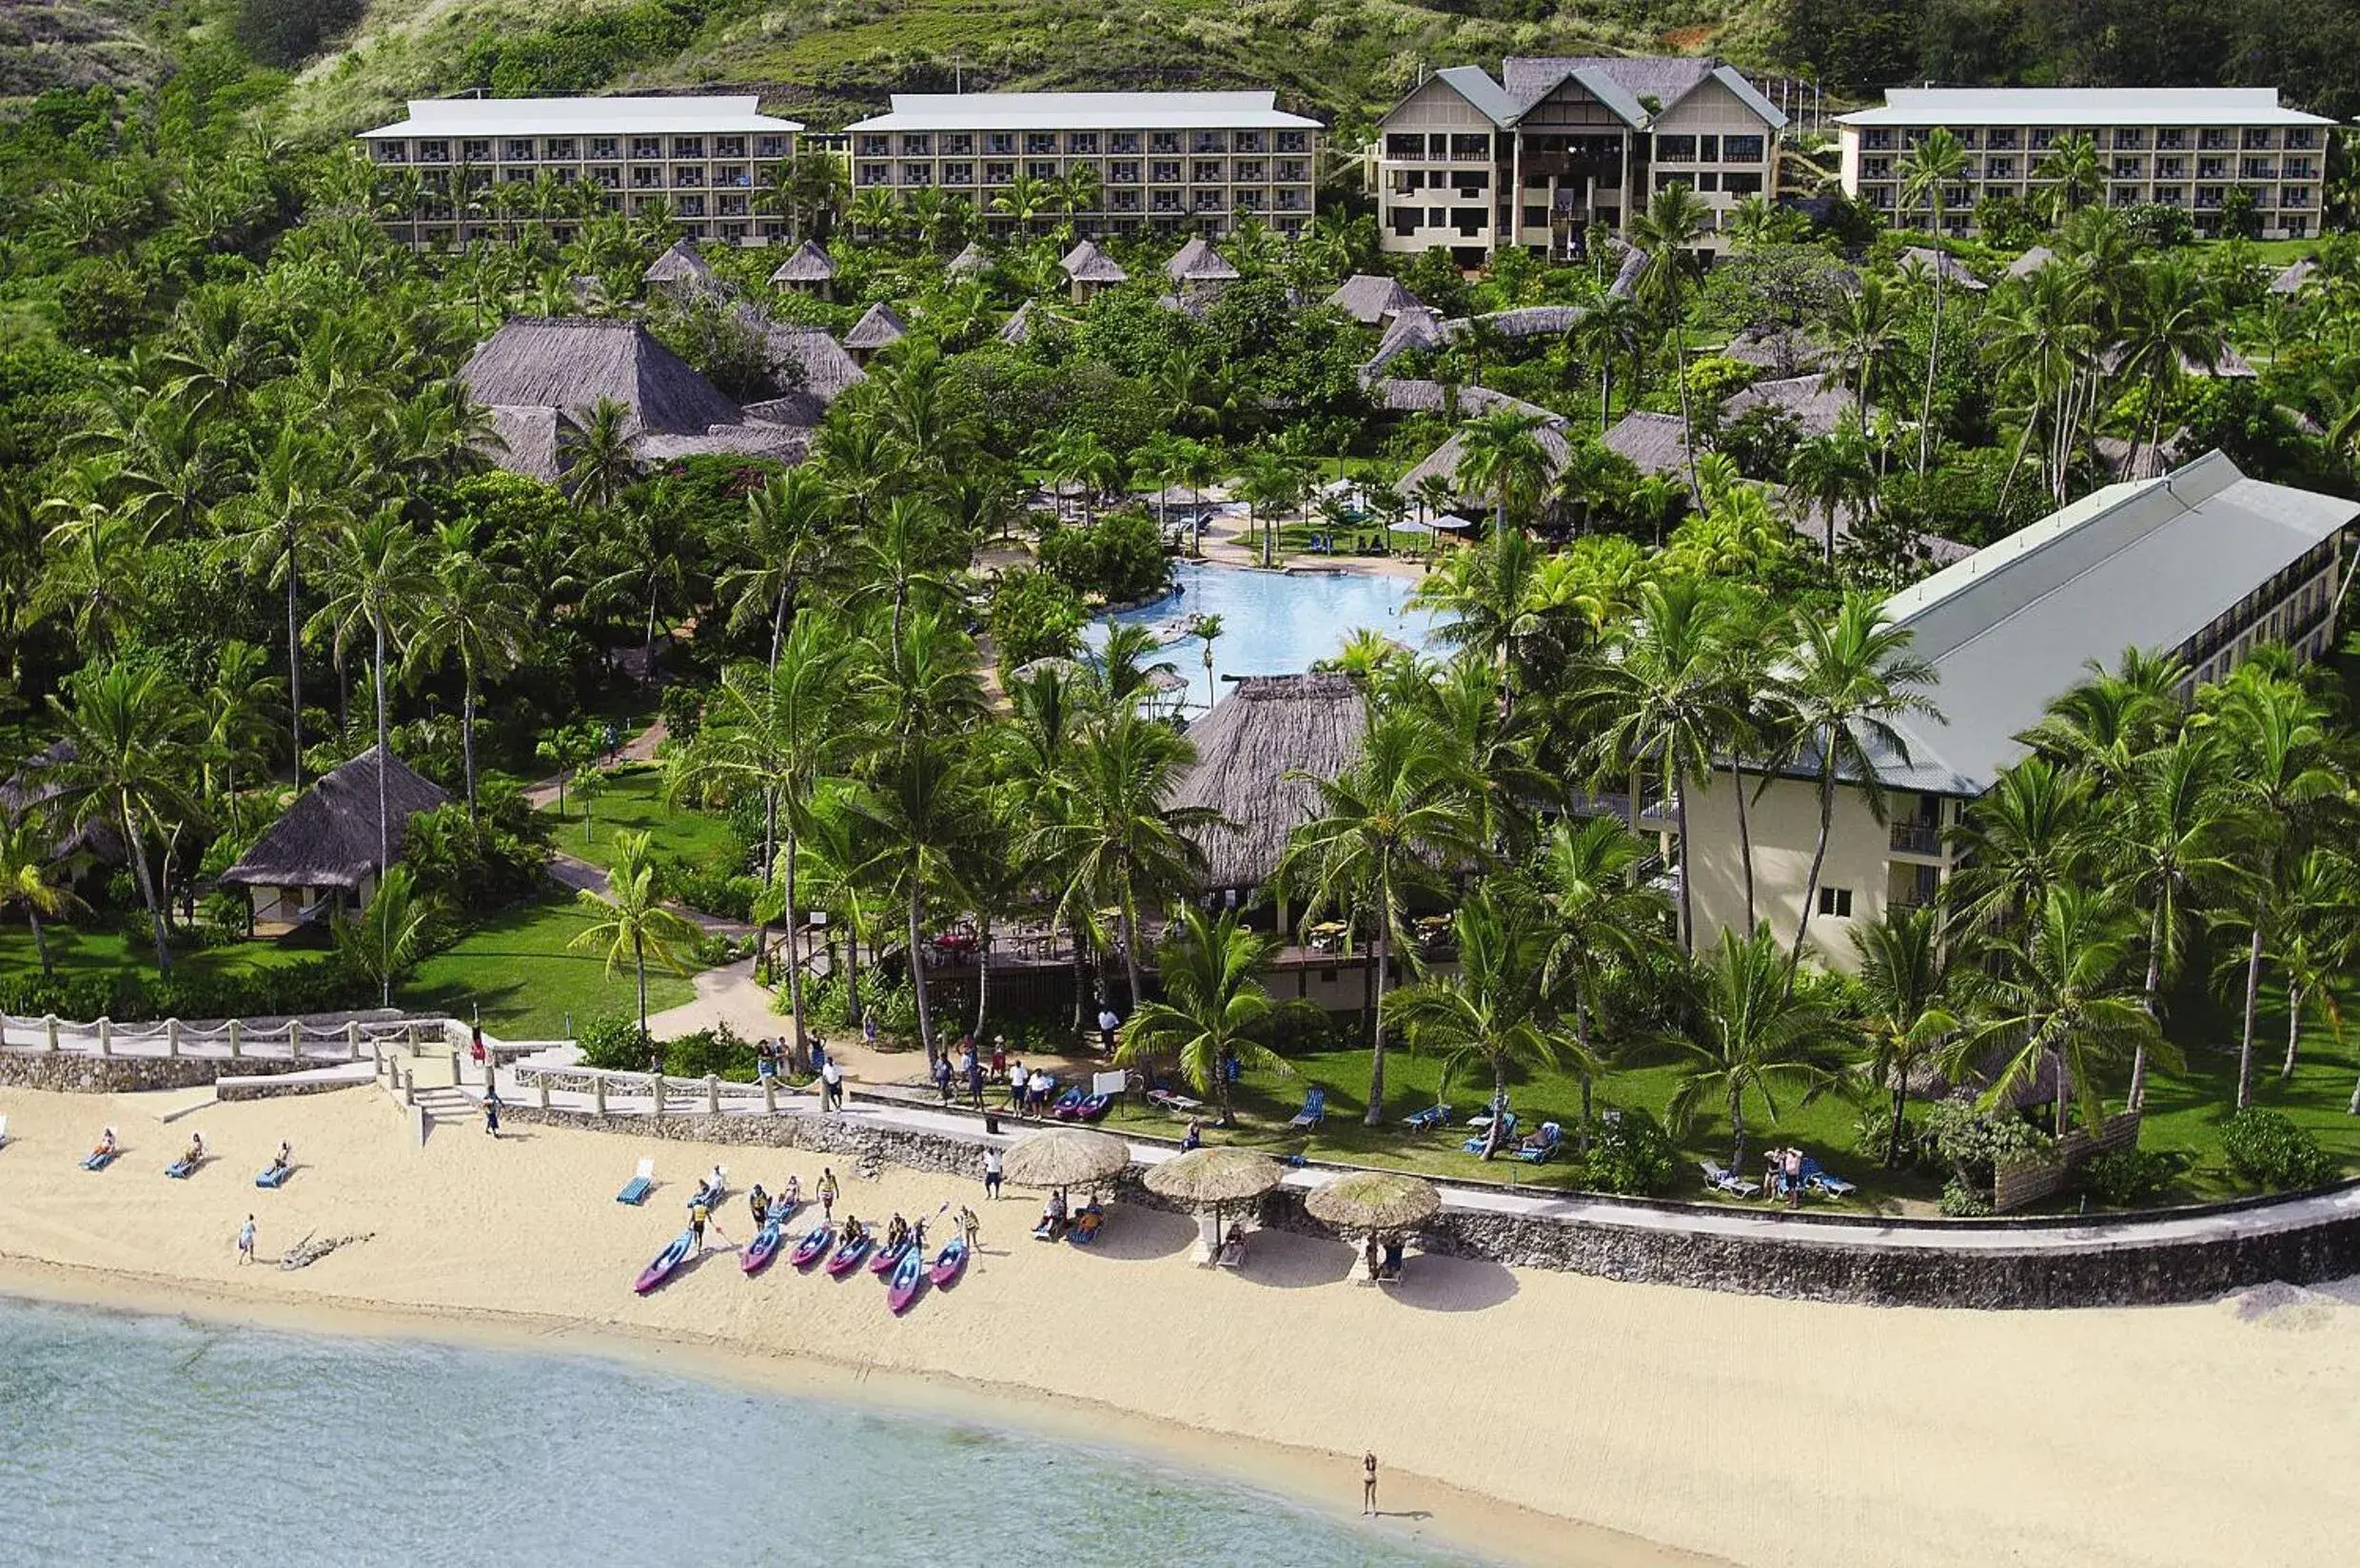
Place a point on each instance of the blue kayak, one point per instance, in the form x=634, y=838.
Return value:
x=669, y=1259
x=764, y=1247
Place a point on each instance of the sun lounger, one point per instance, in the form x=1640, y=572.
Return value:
x=1534, y=1154
x=1179, y=1105
x=1723, y=1180
x=1827, y=1182
x=275, y=1176
x=1482, y=1125
x=642, y=1182
x=1314, y=1112
x=1429, y=1119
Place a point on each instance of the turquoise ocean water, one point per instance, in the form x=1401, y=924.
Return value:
x=152, y=1440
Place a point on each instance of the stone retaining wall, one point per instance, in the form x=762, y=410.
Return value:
x=266, y=1089
x=79, y=1073
x=2118, y=1272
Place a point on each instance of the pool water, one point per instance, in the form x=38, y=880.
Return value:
x=1275, y=623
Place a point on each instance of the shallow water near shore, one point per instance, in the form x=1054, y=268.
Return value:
x=151, y=1438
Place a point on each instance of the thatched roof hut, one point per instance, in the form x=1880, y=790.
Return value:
x=1017, y=329
x=528, y=441
x=680, y=271
x=1651, y=442
x=809, y=269
x=1066, y=1156
x=1265, y=727
x=1374, y=1199
x=1953, y=272
x=326, y=841
x=1090, y=269
x=2228, y=364
x=1815, y=404
x=1198, y=262
x=1782, y=350
x=969, y=261
x=878, y=327
x=1533, y=321
x=1372, y=299
x=36, y=785
x=570, y=364
x=1203, y=1177
x=1626, y=276
x=1401, y=395
x=1555, y=450
x=2292, y=281
x=1415, y=329
x=2031, y=261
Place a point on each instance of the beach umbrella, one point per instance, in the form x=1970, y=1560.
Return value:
x=1209, y=1176
x=1376, y=1201
x=1062, y=1157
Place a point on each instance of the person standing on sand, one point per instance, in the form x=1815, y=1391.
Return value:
x=491, y=1112
x=827, y=1193
x=245, y=1241
x=992, y=1173
x=1368, y=1484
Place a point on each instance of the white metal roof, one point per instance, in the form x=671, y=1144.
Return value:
x=585, y=117
x=1086, y=111
x=2083, y=106
x=2146, y=565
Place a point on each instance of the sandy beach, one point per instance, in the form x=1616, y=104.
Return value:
x=1531, y=1415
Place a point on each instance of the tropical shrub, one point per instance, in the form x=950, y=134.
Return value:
x=2123, y=1178
x=1034, y=614
x=1629, y=1153
x=1974, y=1141
x=1118, y=558
x=2267, y=1151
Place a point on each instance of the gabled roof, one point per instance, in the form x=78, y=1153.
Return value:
x=1018, y=328
x=1784, y=349
x=2291, y=282
x=1815, y=404
x=970, y=260
x=2145, y=565
x=2228, y=364
x=2031, y=261
x=809, y=264
x=878, y=327
x=1533, y=321
x=1414, y=329
x=1665, y=78
x=327, y=838
x=1595, y=80
x=1198, y=262
x=1953, y=271
x=1651, y=442
x=1087, y=263
x=1368, y=298
x=681, y=265
x=1249, y=111
x=1404, y=396
x=1482, y=94
x=583, y=116
x=1263, y=730
x=570, y=363
x=2081, y=107
x=1556, y=452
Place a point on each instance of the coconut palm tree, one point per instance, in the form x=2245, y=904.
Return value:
x=1755, y=1036
x=386, y=940
x=1668, y=231
x=1931, y=165
x=2058, y=994
x=1853, y=677
x=27, y=869
x=1214, y=1010
x=1609, y=328
x=1381, y=829
x=1601, y=919
x=127, y=731
x=470, y=612
x=1901, y=1002
x=379, y=579
x=2169, y=322
x=2030, y=833
x=1863, y=331
x=595, y=456
x=2073, y=174
x=1501, y=456
x=922, y=802
x=630, y=920
x=1494, y=1010
x=791, y=539
x=240, y=708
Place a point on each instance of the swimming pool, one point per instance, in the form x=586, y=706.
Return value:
x=1275, y=623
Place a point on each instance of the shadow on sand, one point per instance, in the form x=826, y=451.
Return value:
x=1287, y=1261
x=1437, y=1283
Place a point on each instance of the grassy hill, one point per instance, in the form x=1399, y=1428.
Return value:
x=829, y=61
x=47, y=44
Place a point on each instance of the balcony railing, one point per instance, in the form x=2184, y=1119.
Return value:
x=1916, y=838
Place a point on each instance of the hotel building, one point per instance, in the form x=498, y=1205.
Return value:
x=707, y=158
x=1160, y=161
x=1560, y=144
x=2184, y=147
x=2202, y=563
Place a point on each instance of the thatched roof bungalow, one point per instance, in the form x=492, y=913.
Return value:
x=1017, y=329
x=1265, y=727
x=1816, y=404
x=878, y=328
x=1372, y=299
x=682, y=273
x=1781, y=350
x=1198, y=262
x=1556, y=452
x=36, y=786
x=1953, y=272
x=1415, y=329
x=323, y=850
x=808, y=271
x=971, y=262
x=2031, y=261
x=2294, y=278
x=1649, y=441
x=1401, y=395
x=1090, y=269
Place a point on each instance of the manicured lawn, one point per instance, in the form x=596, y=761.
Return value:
x=2186, y=1108
x=76, y=952
x=632, y=801
x=518, y=969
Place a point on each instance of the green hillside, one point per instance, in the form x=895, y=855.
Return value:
x=47, y=44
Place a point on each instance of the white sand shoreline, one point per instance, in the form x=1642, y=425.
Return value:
x=1504, y=1403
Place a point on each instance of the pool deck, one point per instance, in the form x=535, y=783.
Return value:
x=1223, y=546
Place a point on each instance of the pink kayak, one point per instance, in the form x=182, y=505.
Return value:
x=949, y=1262
x=669, y=1259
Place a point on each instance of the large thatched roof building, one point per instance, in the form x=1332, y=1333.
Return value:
x=1265, y=727
x=323, y=850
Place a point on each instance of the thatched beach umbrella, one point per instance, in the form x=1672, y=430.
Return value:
x=1211, y=1176
x=1063, y=1157
x=1378, y=1201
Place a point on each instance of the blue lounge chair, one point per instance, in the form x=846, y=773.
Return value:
x=1721, y=1179
x=1508, y=1133
x=1429, y=1119
x=1833, y=1186
x=274, y=1175
x=642, y=1182
x=1536, y=1153
x=1314, y=1112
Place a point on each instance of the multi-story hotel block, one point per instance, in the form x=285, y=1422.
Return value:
x=1157, y=161
x=2184, y=147
x=1563, y=143
x=708, y=159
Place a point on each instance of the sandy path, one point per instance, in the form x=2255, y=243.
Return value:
x=1758, y=1430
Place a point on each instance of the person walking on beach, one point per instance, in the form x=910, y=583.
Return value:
x=1368, y=1484
x=491, y=1112
x=992, y=1173
x=827, y=1193
x=245, y=1241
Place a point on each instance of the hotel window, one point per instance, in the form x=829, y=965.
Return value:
x=998, y=174
x=875, y=146
x=1083, y=142
x=392, y=152
x=917, y=174
x=958, y=174
x=958, y=144
x=1250, y=171
x=1205, y=171
x=1123, y=140
x=2257, y=136
x=434, y=152
x=2171, y=141
x=2126, y=168
x=1293, y=168
x=1164, y=173
x=732, y=206
x=476, y=151
x=1001, y=142
x=1674, y=149
x=559, y=149
x=692, y=207
x=729, y=146
x=1037, y=142
x=1041, y=170
x=1293, y=141
x=646, y=146
x=2301, y=136
x=771, y=146
x=1164, y=141
x=1250, y=200
x=1404, y=146
x=1998, y=141
x=2211, y=141
x=1741, y=185
x=877, y=174
x=1743, y=150
x=1209, y=141
x=516, y=176
x=1210, y=201
x=1123, y=173
x=692, y=174
x=604, y=147
x=518, y=150
x=1248, y=141
x=1125, y=201
x=1836, y=902
x=688, y=147
x=1477, y=147
x=913, y=145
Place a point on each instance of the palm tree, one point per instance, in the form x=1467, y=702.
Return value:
x=1214, y=1008
x=239, y=709
x=1207, y=631
x=1024, y=199
x=1863, y=331
x=1600, y=918
x=1832, y=472
x=1609, y=328
x=792, y=537
x=2072, y=173
x=379, y=578
x=27, y=866
x=1496, y=1009
x=630, y=919
x=1754, y=1036
x=2058, y=994
x=1120, y=841
x=595, y=455
x=2029, y=833
x=127, y=728
x=1667, y=231
x=2315, y=931
x=1381, y=829
x=470, y=612
x=1501, y=456
x=1901, y=1006
x=388, y=937
x=1853, y=677
x=1928, y=170
x=923, y=803
x=97, y=576
x=2169, y=322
